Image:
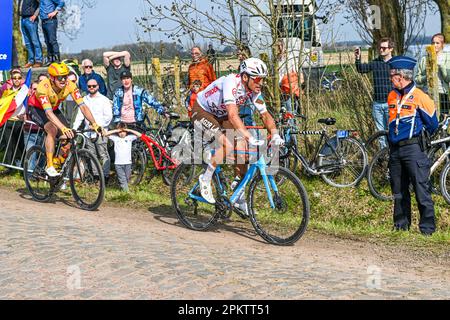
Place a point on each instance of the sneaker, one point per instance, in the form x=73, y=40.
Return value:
x=37, y=65
x=241, y=204
x=28, y=65
x=206, y=190
x=63, y=186
x=51, y=172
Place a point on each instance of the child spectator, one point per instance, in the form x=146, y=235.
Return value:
x=122, y=150
x=192, y=96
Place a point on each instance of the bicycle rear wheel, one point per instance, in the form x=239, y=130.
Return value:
x=286, y=223
x=138, y=164
x=186, y=199
x=378, y=176
x=86, y=180
x=36, y=180
x=445, y=183
x=348, y=166
x=375, y=143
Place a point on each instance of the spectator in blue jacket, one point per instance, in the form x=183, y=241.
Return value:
x=128, y=99
x=48, y=12
x=89, y=74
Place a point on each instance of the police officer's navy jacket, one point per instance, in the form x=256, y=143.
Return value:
x=416, y=113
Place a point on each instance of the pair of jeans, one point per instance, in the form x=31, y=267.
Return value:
x=123, y=175
x=31, y=38
x=380, y=114
x=50, y=27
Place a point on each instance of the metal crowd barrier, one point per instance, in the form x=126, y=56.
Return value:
x=16, y=137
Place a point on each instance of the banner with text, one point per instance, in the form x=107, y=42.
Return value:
x=6, y=32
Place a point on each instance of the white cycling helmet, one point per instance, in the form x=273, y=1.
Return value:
x=254, y=67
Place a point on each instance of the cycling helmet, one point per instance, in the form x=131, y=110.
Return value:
x=254, y=67
x=57, y=69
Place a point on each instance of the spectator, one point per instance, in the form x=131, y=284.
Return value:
x=443, y=76
x=128, y=99
x=290, y=77
x=114, y=67
x=190, y=102
x=101, y=109
x=42, y=76
x=381, y=82
x=122, y=151
x=211, y=54
x=31, y=134
x=14, y=83
x=89, y=74
x=29, y=24
x=12, y=129
x=48, y=12
x=200, y=69
x=411, y=111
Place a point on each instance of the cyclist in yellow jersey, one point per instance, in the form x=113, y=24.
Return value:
x=44, y=109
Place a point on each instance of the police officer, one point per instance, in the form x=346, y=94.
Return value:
x=410, y=111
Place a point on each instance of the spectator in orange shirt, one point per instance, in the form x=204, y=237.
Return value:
x=200, y=69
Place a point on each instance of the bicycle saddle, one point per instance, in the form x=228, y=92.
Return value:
x=328, y=121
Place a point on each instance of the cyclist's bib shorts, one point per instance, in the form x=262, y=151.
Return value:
x=209, y=124
x=39, y=117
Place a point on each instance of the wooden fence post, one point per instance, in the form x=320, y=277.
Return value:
x=156, y=65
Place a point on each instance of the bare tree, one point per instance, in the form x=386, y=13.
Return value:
x=444, y=8
x=401, y=20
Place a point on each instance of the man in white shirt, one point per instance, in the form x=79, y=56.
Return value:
x=101, y=109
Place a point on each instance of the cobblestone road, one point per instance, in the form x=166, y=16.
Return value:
x=53, y=251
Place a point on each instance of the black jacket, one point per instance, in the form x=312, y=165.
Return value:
x=382, y=84
x=28, y=8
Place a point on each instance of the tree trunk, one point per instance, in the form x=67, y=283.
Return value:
x=444, y=8
x=391, y=24
x=17, y=34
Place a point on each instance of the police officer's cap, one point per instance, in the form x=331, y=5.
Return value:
x=402, y=62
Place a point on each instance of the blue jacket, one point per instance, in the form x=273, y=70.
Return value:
x=48, y=6
x=84, y=78
x=139, y=95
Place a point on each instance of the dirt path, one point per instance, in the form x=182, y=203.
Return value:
x=58, y=252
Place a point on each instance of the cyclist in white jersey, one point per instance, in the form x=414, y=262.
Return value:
x=216, y=108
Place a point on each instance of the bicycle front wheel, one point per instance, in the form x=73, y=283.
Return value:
x=378, y=176
x=286, y=222
x=192, y=211
x=87, y=182
x=138, y=164
x=36, y=179
x=346, y=167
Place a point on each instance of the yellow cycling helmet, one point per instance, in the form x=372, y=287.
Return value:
x=57, y=69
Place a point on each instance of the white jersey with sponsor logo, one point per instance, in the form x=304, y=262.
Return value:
x=227, y=90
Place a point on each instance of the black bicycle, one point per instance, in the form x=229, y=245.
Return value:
x=340, y=159
x=81, y=169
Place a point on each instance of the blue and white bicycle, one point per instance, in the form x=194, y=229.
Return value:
x=278, y=212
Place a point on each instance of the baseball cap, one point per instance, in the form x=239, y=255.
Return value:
x=126, y=74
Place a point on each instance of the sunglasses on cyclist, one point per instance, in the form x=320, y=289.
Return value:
x=61, y=78
x=92, y=86
x=257, y=80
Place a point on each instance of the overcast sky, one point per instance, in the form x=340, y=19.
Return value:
x=112, y=22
